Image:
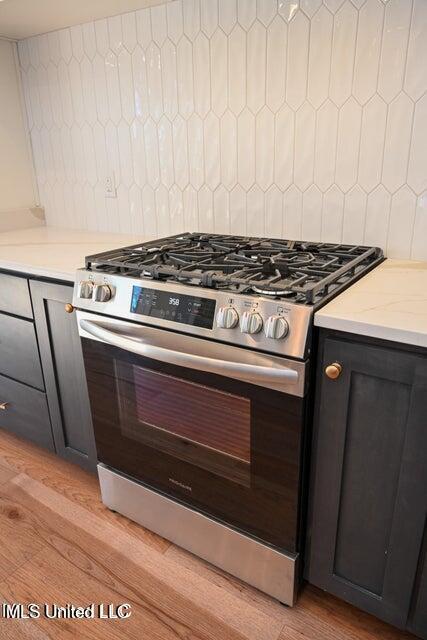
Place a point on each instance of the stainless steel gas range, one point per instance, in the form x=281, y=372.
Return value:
x=197, y=354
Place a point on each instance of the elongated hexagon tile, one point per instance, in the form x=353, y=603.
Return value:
x=292, y=213
x=205, y=209
x=212, y=150
x=33, y=52
x=45, y=106
x=256, y=62
x=311, y=213
x=125, y=154
x=320, y=57
x=228, y=133
x=274, y=212
x=143, y=27
x=113, y=87
x=209, y=16
x=227, y=14
x=65, y=90
x=89, y=155
x=159, y=27
x=397, y=20
x=88, y=90
x=100, y=154
x=401, y=225
x=162, y=211
x=129, y=31
x=76, y=90
x=349, y=124
x=76, y=33
x=332, y=215
x=135, y=210
x=169, y=79
x=284, y=145
x=237, y=203
x=191, y=13
x=237, y=70
x=277, y=35
x=221, y=205
x=374, y=118
x=297, y=62
x=264, y=146
x=305, y=125
x=123, y=209
x=57, y=156
x=416, y=73
x=397, y=142
x=191, y=210
x=149, y=213
x=78, y=153
x=101, y=37
x=55, y=97
x=127, y=92
x=195, y=151
x=112, y=148
x=115, y=34
x=67, y=152
x=246, y=149
x=368, y=49
x=164, y=132
x=354, y=216
x=333, y=5
x=419, y=244
x=417, y=169
x=185, y=77
x=138, y=152
x=89, y=39
x=151, y=153
x=154, y=81
x=377, y=217
x=43, y=47
x=176, y=210
x=54, y=47
x=100, y=86
x=64, y=45
x=246, y=12
x=139, y=74
x=325, y=147
x=175, y=20
x=343, y=45
x=202, y=74
x=180, y=151
x=255, y=214
x=24, y=56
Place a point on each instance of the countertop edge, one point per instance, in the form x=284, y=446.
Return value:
x=35, y=271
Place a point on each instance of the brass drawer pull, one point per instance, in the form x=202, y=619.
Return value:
x=69, y=308
x=4, y=406
x=333, y=371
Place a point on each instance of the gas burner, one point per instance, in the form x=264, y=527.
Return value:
x=303, y=272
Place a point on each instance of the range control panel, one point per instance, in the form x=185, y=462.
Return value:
x=258, y=322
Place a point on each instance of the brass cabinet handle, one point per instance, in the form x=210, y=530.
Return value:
x=69, y=307
x=4, y=406
x=333, y=371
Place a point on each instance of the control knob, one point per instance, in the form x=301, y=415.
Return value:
x=276, y=327
x=251, y=322
x=85, y=289
x=227, y=317
x=101, y=293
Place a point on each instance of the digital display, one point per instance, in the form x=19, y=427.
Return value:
x=167, y=305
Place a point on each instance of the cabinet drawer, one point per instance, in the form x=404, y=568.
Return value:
x=15, y=296
x=25, y=412
x=19, y=354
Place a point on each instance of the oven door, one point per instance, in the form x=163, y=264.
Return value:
x=215, y=426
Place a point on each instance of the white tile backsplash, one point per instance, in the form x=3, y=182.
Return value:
x=297, y=118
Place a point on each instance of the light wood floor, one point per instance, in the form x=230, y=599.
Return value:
x=58, y=543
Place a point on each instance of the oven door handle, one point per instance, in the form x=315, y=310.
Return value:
x=256, y=374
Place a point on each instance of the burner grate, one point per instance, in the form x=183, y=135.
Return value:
x=306, y=272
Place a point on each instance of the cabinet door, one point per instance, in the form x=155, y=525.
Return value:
x=369, y=477
x=63, y=369
x=418, y=618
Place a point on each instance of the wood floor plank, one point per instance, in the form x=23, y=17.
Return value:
x=6, y=473
x=69, y=480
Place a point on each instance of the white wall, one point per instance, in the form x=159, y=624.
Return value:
x=255, y=117
x=16, y=182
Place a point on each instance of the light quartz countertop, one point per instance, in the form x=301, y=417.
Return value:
x=56, y=253
x=389, y=303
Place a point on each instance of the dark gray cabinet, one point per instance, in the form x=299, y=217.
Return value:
x=368, y=496
x=63, y=370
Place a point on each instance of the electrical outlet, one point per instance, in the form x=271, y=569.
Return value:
x=110, y=187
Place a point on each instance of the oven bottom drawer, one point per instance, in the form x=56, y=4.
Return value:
x=25, y=413
x=261, y=566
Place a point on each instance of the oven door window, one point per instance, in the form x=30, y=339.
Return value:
x=203, y=426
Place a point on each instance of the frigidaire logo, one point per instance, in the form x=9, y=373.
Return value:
x=180, y=484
